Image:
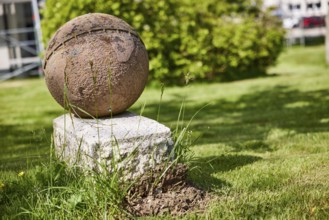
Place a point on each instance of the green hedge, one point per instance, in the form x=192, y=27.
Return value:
x=204, y=40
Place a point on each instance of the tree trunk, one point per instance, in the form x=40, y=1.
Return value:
x=327, y=36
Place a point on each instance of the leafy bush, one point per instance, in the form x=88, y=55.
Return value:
x=206, y=40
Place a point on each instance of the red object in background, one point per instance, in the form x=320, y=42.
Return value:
x=315, y=21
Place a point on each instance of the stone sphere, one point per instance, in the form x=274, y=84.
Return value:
x=96, y=65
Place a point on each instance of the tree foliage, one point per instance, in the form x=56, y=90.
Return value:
x=206, y=40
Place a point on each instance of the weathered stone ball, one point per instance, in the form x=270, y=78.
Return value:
x=96, y=65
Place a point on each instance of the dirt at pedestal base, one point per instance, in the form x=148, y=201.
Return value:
x=173, y=195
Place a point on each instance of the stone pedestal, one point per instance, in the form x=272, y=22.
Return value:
x=133, y=142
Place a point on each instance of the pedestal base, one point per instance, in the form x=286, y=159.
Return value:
x=133, y=142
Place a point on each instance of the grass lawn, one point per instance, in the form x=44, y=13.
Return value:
x=262, y=144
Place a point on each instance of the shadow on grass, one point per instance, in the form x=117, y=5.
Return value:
x=251, y=117
x=23, y=145
x=205, y=167
x=242, y=124
x=253, y=145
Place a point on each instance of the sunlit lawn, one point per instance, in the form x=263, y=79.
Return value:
x=262, y=144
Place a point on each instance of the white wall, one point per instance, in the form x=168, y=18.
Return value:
x=4, y=58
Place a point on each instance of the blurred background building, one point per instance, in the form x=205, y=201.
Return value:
x=293, y=11
x=302, y=18
x=20, y=38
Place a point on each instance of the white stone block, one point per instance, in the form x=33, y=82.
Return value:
x=135, y=142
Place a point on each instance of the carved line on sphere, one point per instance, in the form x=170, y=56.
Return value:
x=84, y=33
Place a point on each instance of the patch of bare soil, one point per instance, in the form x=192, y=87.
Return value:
x=171, y=194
